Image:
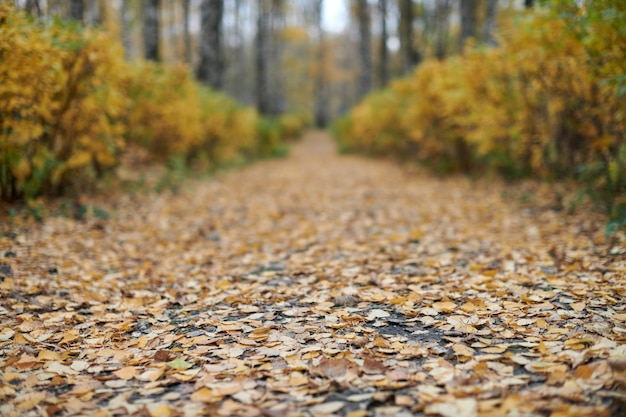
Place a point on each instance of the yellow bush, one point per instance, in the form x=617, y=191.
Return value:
x=228, y=131
x=548, y=102
x=69, y=104
x=60, y=106
x=293, y=124
x=165, y=115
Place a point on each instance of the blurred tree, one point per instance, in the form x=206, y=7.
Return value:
x=186, y=32
x=77, y=10
x=269, y=94
x=97, y=12
x=442, y=16
x=529, y=4
x=125, y=19
x=468, y=21
x=33, y=8
x=263, y=54
x=150, y=16
x=490, y=22
x=240, y=83
x=278, y=15
x=364, y=83
x=211, y=68
x=409, y=55
x=321, y=88
x=383, y=63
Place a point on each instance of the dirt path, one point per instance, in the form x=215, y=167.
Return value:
x=315, y=285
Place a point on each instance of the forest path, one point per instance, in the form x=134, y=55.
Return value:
x=314, y=285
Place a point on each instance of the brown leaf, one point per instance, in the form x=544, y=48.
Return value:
x=373, y=366
x=333, y=368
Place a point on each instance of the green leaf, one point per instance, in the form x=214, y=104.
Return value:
x=179, y=364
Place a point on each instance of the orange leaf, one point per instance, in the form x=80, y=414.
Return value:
x=126, y=373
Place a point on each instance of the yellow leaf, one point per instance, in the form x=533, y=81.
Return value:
x=78, y=159
x=205, y=395
x=126, y=373
x=48, y=355
x=152, y=374
x=381, y=342
x=11, y=376
x=445, y=306
x=463, y=350
x=160, y=410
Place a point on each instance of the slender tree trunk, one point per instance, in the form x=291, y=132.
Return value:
x=269, y=91
x=383, y=70
x=529, y=4
x=97, y=12
x=239, y=67
x=125, y=19
x=150, y=15
x=442, y=14
x=490, y=23
x=321, y=94
x=410, y=57
x=365, y=49
x=263, y=54
x=77, y=10
x=277, y=49
x=186, y=32
x=211, y=68
x=33, y=8
x=468, y=21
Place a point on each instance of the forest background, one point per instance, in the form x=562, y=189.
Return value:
x=93, y=90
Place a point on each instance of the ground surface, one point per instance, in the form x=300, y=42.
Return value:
x=315, y=285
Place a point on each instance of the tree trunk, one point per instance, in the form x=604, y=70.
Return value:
x=365, y=49
x=96, y=13
x=321, y=93
x=263, y=55
x=77, y=10
x=186, y=32
x=33, y=8
x=529, y=4
x=383, y=70
x=490, y=23
x=150, y=15
x=125, y=19
x=211, y=68
x=277, y=20
x=240, y=84
x=410, y=57
x=468, y=21
x=269, y=92
x=442, y=14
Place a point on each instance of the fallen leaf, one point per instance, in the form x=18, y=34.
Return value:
x=465, y=407
x=327, y=408
x=179, y=364
x=377, y=314
x=126, y=373
x=373, y=366
x=204, y=395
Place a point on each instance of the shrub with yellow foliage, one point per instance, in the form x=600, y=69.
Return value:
x=292, y=124
x=164, y=113
x=70, y=105
x=60, y=106
x=547, y=102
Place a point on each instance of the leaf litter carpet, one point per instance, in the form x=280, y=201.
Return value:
x=310, y=286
